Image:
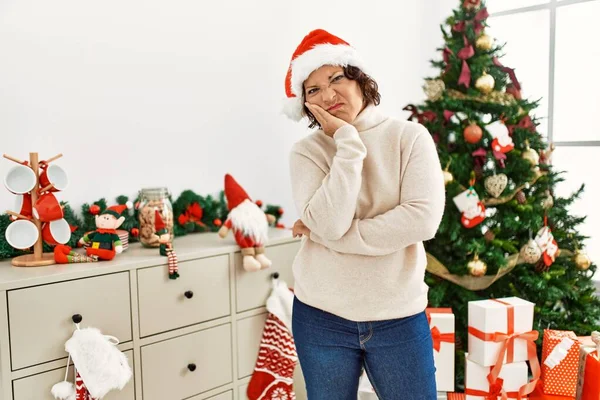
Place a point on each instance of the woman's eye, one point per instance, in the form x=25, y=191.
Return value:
x=338, y=78
x=312, y=91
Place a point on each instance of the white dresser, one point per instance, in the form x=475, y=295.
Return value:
x=196, y=337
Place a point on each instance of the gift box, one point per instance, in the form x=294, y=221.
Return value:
x=538, y=394
x=588, y=383
x=493, y=324
x=560, y=363
x=511, y=378
x=441, y=323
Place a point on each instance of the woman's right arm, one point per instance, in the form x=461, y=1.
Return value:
x=326, y=201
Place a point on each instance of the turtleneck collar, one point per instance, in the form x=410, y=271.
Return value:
x=368, y=118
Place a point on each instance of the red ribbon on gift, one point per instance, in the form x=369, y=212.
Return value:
x=436, y=335
x=508, y=342
x=496, y=390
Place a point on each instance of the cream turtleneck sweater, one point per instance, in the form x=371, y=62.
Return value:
x=370, y=196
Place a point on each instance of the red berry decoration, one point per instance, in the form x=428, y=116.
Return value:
x=217, y=222
x=259, y=203
x=94, y=209
x=280, y=211
x=135, y=232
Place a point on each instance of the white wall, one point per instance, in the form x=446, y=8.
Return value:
x=177, y=93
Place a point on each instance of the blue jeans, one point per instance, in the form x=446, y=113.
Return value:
x=397, y=355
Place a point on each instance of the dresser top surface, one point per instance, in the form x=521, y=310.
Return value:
x=189, y=247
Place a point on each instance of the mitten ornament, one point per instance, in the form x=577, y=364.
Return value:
x=502, y=142
x=545, y=241
x=250, y=226
x=473, y=210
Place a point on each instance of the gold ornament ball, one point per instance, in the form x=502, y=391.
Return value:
x=532, y=156
x=434, y=89
x=531, y=252
x=484, y=42
x=477, y=267
x=485, y=83
x=447, y=177
x=582, y=260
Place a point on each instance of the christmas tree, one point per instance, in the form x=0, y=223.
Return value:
x=504, y=231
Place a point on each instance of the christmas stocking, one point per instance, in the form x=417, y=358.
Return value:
x=274, y=371
x=81, y=392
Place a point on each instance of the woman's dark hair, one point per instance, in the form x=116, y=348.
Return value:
x=368, y=87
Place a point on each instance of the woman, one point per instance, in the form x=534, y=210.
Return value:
x=369, y=190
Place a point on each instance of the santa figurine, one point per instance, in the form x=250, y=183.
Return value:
x=250, y=226
x=104, y=243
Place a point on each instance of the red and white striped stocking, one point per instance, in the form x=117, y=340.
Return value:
x=81, y=392
x=172, y=262
x=273, y=375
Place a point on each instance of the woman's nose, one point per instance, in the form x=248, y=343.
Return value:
x=328, y=95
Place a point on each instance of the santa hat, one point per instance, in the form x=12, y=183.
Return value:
x=159, y=224
x=234, y=192
x=115, y=211
x=317, y=49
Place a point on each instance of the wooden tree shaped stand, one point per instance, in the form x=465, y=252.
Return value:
x=38, y=258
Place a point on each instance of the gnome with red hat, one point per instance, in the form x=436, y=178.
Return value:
x=250, y=226
x=104, y=243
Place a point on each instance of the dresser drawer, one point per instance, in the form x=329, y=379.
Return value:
x=253, y=288
x=41, y=317
x=200, y=294
x=248, y=342
x=166, y=366
x=221, y=396
x=242, y=392
x=37, y=387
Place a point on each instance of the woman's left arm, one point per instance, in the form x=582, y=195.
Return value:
x=417, y=218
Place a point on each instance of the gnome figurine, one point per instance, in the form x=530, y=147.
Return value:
x=250, y=226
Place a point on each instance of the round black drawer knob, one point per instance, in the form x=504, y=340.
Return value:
x=77, y=318
x=275, y=275
x=189, y=294
x=192, y=367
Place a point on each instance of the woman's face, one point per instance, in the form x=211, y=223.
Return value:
x=329, y=88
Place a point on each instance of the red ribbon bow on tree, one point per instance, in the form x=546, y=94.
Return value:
x=426, y=116
x=479, y=157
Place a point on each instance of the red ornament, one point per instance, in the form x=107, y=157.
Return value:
x=473, y=133
x=259, y=203
x=135, y=232
x=94, y=209
x=217, y=222
x=471, y=4
x=280, y=211
x=280, y=226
